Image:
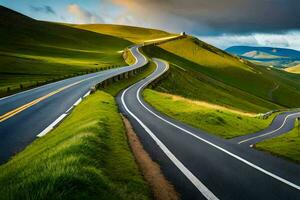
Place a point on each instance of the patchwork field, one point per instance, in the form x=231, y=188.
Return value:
x=294, y=69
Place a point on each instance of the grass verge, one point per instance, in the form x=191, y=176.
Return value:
x=286, y=145
x=87, y=156
x=219, y=120
x=161, y=188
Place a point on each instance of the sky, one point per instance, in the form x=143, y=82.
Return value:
x=223, y=23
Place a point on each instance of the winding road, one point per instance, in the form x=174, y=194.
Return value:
x=199, y=165
x=281, y=124
x=32, y=113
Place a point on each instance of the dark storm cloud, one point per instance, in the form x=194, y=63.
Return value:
x=221, y=16
x=44, y=9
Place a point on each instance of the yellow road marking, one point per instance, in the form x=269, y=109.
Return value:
x=24, y=107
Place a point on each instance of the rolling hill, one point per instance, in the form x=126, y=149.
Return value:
x=277, y=57
x=32, y=50
x=131, y=33
x=202, y=72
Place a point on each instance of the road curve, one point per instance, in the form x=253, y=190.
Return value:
x=25, y=115
x=202, y=166
x=281, y=124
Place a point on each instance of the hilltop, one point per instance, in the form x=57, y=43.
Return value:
x=131, y=33
x=200, y=71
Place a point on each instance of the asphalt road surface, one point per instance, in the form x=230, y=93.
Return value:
x=202, y=166
x=281, y=124
x=25, y=115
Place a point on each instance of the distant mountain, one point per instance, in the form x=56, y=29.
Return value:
x=260, y=55
x=278, y=57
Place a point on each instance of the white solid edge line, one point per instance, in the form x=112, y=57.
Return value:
x=52, y=125
x=55, y=122
x=218, y=147
x=69, y=109
x=198, y=184
x=87, y=94
x=271, y=132
x=77, y=102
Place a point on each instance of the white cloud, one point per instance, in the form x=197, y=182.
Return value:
x=83, y=16
x=285, y=40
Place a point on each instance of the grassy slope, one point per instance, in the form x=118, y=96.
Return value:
x=286, y=145
x=218, y=120
x=90, y=160
x=32, y=50
x=223, y=73
x=294, y=69
x=131, y=33
x=185, y=80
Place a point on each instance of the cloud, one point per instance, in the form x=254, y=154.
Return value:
x=215, y=17
x=82, y=15
x=286, y=40
x=43, y=9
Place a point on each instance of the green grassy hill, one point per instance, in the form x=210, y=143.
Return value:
x=32, y=50
x=91, y=160
x=131, y=33
x=215, y=119
x=203, y=72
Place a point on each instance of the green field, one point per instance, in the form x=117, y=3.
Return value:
x=286, y=146
x=203, y=72
x=219, y=120
x=131, y=33
x=32, y=51
x=91, y=160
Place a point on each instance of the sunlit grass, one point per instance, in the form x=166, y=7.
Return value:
x=286, y=145
x=294, y=69
x=215, y=119
x=131, y=33
x=37, y=50
x=225, y=72
x=86, y=157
